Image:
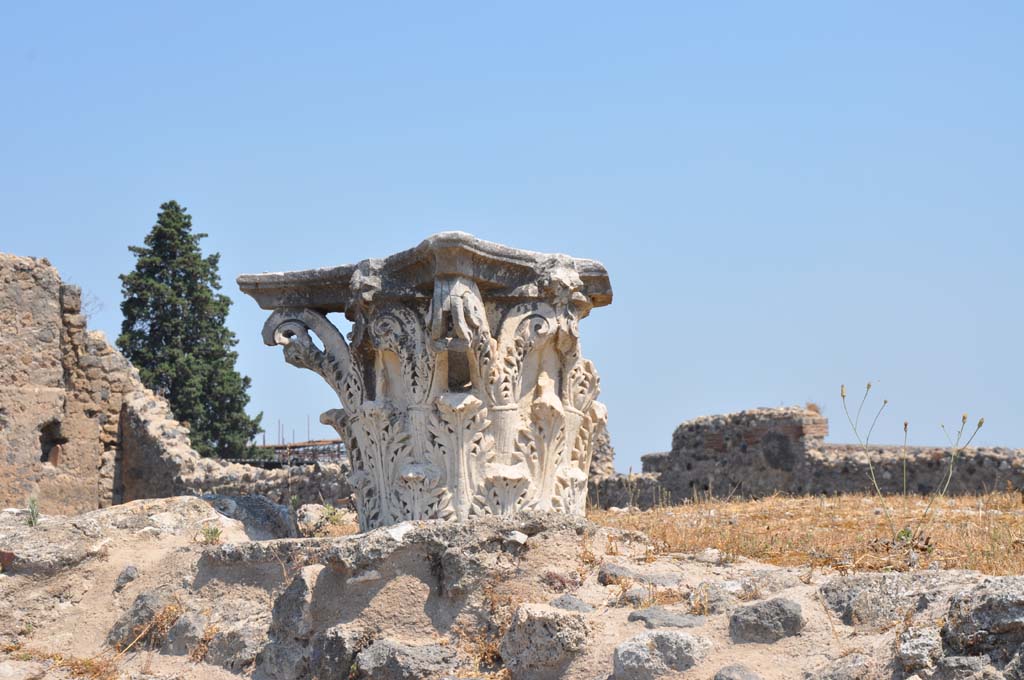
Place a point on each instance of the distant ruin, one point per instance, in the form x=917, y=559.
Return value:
x=759, y=452
x=463, y=386
x=79, y=431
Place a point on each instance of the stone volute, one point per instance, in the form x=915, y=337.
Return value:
x=462, y=386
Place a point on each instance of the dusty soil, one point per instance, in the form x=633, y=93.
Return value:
x=223, y=589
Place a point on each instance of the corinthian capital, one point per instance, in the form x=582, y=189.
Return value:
x=464, y=388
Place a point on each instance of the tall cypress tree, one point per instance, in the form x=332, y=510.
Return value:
x=174, y=332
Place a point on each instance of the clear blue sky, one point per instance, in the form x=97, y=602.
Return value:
x=788, y=196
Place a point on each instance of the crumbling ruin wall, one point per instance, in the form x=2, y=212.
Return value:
x=60, y=389
x=782, y=450
x=79, y=431
x=160, y=462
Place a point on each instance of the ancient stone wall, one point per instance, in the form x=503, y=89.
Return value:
x=78, y=430
x=764, y=451
x=60, y=390
x=160, y=462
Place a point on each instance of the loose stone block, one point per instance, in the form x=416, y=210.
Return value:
x=767, y=621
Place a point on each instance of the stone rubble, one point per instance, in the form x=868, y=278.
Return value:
x=767, y=621
x=475, y=599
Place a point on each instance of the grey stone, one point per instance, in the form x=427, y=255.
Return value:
x=634, y=597
x=870, y=599
x=133, y=622
x=293, y=608
x=714, y=598
x=610, y=573
x=965, y=668
x=390, y=660
x=736, y=672
x=654, y=654
x=236, y=645
x=854, y=666
x=918, y=648
x=659, y=617
x=262, y=518
x=285, y=655
x=282, y=662
x=185, y=634
x=333, y=651
x=127, y=575
x=571, y=603
x=541, y=639
x=1014, y=670
x=987, y=618
x=875, y=600
x=766, y=621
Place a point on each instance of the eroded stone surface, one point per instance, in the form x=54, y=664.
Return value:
x=440, y=598
x=463, y=388
x=660, y=617
x=766, y=621
x=658, y=653
x=542, y=639
x=736, y=672
x=79, y=431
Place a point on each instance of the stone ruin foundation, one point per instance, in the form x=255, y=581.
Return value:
x=463, y=386
x=759, y=452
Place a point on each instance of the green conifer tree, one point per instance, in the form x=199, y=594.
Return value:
x=174, y=332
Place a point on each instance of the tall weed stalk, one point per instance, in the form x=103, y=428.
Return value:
x=957, y=445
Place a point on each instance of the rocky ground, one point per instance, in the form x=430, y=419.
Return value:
x=221, y=588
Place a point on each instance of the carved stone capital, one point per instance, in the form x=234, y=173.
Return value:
x=463, y=387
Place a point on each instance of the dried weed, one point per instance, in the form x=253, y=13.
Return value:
x=983, y=532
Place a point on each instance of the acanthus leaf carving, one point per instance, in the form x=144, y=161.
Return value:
x=463, y=387
x=397, y=329
x=524, y=329
x=541, y=446
x=382, y=447
x=461, y=445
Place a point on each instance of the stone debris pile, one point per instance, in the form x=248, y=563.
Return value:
x=226, y=587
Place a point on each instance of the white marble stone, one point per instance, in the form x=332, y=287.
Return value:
x=462, y=385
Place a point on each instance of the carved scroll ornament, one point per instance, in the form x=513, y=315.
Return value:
x=463, y=389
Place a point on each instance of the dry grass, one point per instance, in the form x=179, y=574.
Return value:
x=154, y=633
x=335, y=530
x=198, y=653
x=482, y=643
x=102, y=667
x=334, y=523
x=984, y=532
